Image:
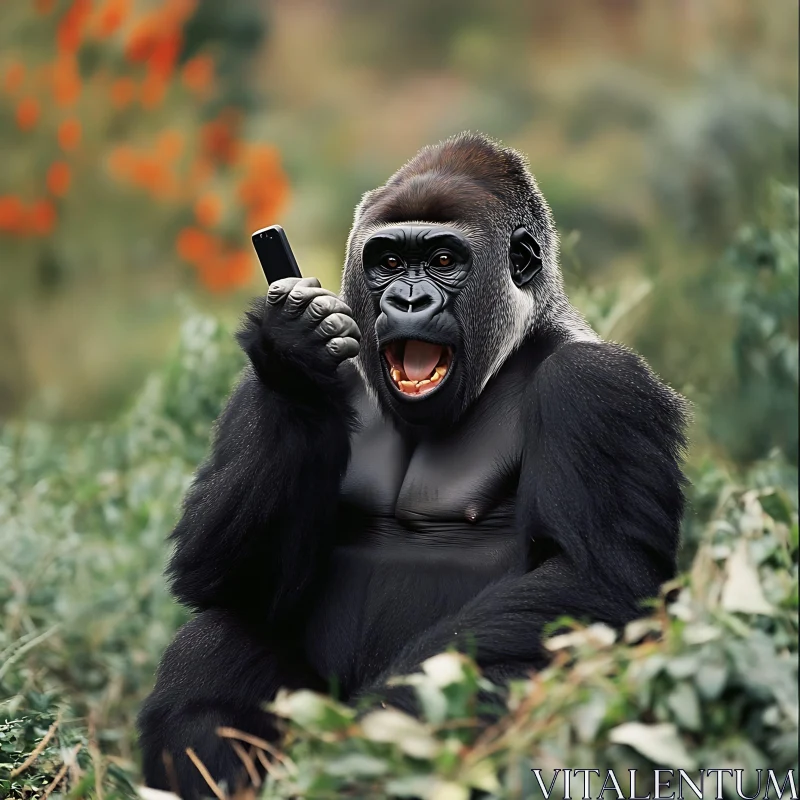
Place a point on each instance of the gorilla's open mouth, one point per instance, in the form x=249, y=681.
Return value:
x=416, y=367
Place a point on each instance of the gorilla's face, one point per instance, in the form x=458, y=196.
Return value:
x=450, y=266
x=415, y=273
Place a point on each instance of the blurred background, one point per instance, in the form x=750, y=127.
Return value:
x=144, y=140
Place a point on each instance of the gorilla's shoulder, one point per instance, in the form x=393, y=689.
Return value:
x=592, y=383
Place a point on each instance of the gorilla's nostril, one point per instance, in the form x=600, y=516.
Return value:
x=419, y=303
x=411, y=304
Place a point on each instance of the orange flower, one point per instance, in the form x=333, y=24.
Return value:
x=198, y=73
x=123, y=91
x=69, y=134
x=208, y=210
x=68, y=36
x=199, y=173
x=218, y=137
x=121, y=162
x=249, y=190
x=260, y=187
x=262, y=157
x=261, y=217
x=70, y=28
x=27, y=114
x=144, y=37
x=59, y=177
x=12, y=213
x=66, y=81
x=111, y=16
x=274, y=191
x=153, y=90
x=165, y=53
x=177, y=11
x=212, y=276
x=42, y=217
x=14, y=77
x=194, y=245
x=264, y=188
x=169, y=145
x=150, y=174
x=226, y=272
x=239, y=266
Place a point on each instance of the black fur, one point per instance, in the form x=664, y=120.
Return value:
x=257, y=514
x=327, y=538
x=601, y=487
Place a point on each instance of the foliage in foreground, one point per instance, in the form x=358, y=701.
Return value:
x=84, y=612
x=708, y=679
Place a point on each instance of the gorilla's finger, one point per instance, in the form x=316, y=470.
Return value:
x=324, y=305
x=301, y=296
x=339, y=325
x=343, y=348
x=279, y=289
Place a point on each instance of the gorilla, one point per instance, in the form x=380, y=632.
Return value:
x=445, y=456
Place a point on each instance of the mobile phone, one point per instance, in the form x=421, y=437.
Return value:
x=276, y=257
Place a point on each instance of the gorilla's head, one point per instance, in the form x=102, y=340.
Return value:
x=450, y=266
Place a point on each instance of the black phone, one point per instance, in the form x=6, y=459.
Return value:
x=276, y=257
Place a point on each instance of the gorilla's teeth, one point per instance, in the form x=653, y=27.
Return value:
x=416, y=387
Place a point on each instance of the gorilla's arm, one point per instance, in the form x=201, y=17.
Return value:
x=601, y=492
x=257, y=518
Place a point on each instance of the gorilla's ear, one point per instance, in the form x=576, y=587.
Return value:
x=525, y=256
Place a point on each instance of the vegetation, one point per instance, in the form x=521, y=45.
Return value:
x=145, y=139
x=99, y=105
x=83, y=512
x=124, y=121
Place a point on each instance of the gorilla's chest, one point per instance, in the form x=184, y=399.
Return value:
x=422, y=528
x=460, y=479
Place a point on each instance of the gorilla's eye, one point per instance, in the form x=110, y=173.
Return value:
x=444, y=260
x=392, y=262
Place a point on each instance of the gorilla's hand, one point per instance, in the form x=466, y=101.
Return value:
x=309, y=324
x=302, y=330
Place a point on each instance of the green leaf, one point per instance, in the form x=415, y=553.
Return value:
x=661, y=744
x=685, y=707
x=356, y=764
x=778, y=505
x=411, y=736
x=742, y=590
x=711, y=679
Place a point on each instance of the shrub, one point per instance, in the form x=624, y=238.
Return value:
x=756, y=408
x=84, y=609
x=122, y=130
